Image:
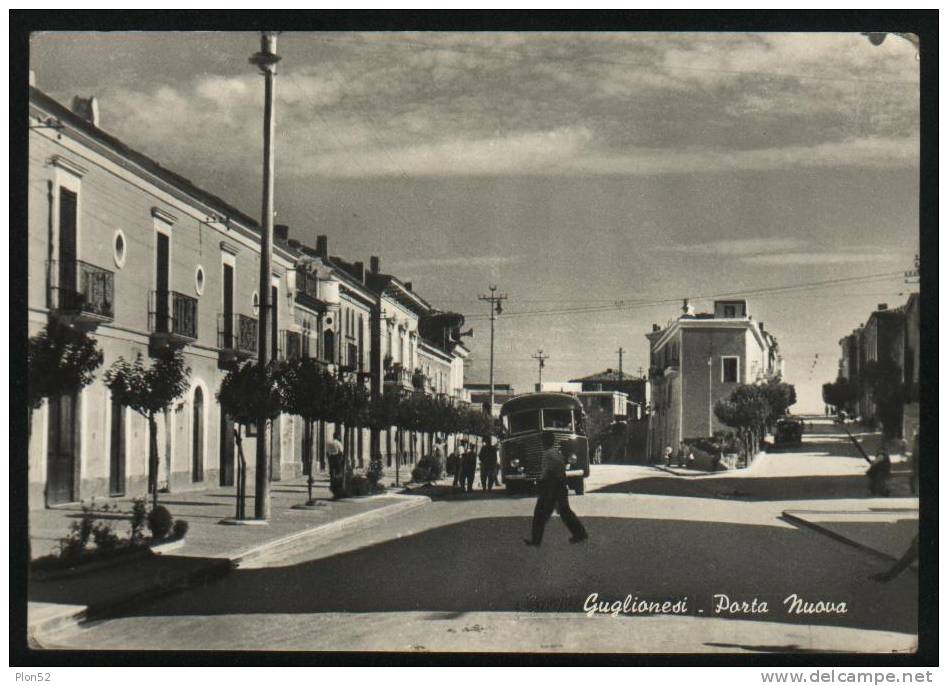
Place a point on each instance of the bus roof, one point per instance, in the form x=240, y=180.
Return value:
x=537, y=401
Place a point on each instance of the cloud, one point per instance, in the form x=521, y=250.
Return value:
x=821, y=258
x=489, y=261
x=749, y=246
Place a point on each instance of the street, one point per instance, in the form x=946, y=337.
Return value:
x=455, y=575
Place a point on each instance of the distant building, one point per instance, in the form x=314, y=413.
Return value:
x=698, y=359
x=888, y=334
x=635, y=387
x=480, y=394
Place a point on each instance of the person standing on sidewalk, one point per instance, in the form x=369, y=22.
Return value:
x=337, y=465
x=488, y=459
x=552, y=493
x=468, y=467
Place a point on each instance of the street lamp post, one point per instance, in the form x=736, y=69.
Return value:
x=266, y=61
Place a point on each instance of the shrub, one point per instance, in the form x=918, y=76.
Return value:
x=139, y=517
x=159, y=523
x=74, y=543
x=359, y=485
x=374, y=473
x=106, y=540
x=180, y=529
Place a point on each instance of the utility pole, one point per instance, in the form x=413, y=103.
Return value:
x=620, y=351
x=541, y=362
x=266, y=61
x=495, y=309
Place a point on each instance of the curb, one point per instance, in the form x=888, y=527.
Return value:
x=799, y=521
x=220, y=567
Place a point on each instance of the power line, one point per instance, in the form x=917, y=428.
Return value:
x=629, y=305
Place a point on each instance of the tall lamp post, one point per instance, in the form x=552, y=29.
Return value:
x=266, y=60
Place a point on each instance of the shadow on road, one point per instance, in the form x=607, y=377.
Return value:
x=775, y=488
x=482, y=565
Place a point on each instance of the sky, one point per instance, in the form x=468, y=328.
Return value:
x=595, y=178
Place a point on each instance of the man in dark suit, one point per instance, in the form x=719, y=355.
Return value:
x=553, y=493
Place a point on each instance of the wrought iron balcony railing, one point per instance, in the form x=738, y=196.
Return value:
x=237, y=333
x=173, y=314
x=82, y=289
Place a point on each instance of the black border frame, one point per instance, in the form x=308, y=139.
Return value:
x=924, y=23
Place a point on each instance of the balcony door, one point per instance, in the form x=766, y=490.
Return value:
x=162, y=255
x=62, y=452
x=229, y=306
x=67, y=246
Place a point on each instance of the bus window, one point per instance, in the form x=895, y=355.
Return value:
x=524, y=421
x=558, y=419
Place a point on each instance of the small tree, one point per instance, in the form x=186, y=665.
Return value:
x=383, y=413
x=308, y=390
x=747, y=412
x=780, y=396
x=60, y=360
x=841, y=394
x=245, y=395
x=149, y=391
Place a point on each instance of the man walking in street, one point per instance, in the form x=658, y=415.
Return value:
x=337, y=466
x=552, y=493
x=488, y=459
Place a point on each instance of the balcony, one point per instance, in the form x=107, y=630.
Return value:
x=172, y=319
x=397, y=377
x=236, y=336
x=307, y=291
x=84, y=294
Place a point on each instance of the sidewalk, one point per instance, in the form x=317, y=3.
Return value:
x=209, y=551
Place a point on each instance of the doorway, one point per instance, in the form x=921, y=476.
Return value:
x=62, y=453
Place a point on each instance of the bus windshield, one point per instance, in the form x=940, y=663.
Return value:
x=558, y=419
x=524, y=421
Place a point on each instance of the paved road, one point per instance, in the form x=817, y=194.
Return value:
x=456, y=575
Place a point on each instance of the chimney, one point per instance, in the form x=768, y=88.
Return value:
x=322, y=246
x=87, y=108
x=408, y=285
x=656, y=327
x=882, y=306
x=281, y=232
x=374, y=265
x=761, y=325
x=687, y=309
x=359, y=269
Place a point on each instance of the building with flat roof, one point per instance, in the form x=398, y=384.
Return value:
x=698, y=359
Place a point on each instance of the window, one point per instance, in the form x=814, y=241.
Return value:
x=199, y=280
x=119, y=248
x=524, y=421
x=558, y=419
x=729, y=369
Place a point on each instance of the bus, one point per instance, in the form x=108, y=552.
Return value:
x=525, y=419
